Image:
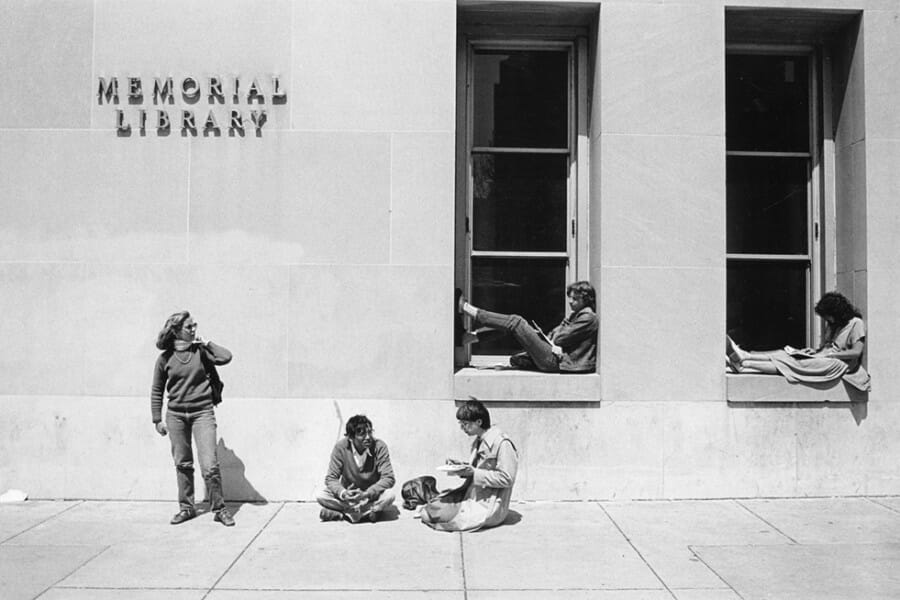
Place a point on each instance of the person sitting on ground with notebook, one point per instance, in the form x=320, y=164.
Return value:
x=482, y=500
x=570, y=347
x=360, y=476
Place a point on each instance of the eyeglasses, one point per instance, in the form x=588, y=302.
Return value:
x=191, y=327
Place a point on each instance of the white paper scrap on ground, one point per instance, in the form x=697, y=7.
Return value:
x=13, y=496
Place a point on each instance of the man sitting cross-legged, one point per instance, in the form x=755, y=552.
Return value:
x=360, y=477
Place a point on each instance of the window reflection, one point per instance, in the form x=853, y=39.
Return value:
x=768, y=102
x=767, y=205
x=532, y=288
x=520, y=202
x=767, y=304
x=521, y=98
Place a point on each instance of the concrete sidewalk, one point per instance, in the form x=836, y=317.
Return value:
x=689, y=550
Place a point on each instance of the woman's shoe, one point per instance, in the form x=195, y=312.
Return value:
x=183, y=515
x=732, y=355
x=458, y=327
x=224, y=517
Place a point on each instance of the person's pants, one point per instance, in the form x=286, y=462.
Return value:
x=202, y=424
x=536, y=348
x=328, y=500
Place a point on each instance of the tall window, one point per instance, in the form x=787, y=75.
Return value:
x=521, y=218
x=772, y=212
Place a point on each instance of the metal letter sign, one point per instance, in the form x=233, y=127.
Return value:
x=214, y=91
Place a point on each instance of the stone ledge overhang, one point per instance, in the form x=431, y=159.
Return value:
x=776, y=389
x=489, y=385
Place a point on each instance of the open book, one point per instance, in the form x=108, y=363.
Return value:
x=541, y=332
x=800, y=352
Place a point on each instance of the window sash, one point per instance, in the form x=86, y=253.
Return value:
x=815, y=202
x=575, y=110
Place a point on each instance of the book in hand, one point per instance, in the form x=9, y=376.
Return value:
x=541, y=332
x=800, y=352
x=451, y=468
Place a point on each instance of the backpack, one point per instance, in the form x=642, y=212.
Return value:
x=419, y=490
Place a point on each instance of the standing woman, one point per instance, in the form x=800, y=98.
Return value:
x=181, y=370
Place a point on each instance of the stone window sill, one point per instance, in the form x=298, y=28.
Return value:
x=484, y=381
x=754, y=388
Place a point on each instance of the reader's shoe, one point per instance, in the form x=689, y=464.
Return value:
x=458, y=328
x=460, y=300
x=183, y=515
x=224, y=517
x=732, y=354
x=326, y=514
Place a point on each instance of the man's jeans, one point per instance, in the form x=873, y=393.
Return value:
x=203, y=426
x=537, y=349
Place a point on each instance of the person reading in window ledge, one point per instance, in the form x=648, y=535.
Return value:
x=571, y=347
x=839, y=355
x=360, y=476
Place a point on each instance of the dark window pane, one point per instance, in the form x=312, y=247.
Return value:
x=532, y=288
x=767, y=205
x=767, y=304
x=767, y=103
x=519, y=202
x=521, y=98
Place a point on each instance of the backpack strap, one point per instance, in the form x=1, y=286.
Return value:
x=215, y=381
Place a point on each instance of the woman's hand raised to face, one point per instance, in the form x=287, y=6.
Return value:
x=161, y=428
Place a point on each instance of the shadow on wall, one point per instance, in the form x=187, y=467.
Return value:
x=234, y=481
x=859, y=410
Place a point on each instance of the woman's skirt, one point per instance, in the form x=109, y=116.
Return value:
x=819, y=369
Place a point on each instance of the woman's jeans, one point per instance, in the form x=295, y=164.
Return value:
x=536, y=348
x=202, y=424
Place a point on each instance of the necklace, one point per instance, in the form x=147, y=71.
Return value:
x=189, y=356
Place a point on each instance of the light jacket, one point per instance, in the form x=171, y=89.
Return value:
x=484, y=500
x=577, y=336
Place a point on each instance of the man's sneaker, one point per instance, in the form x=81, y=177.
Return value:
x=326, y=514
x=183, y=515
x=224, y=517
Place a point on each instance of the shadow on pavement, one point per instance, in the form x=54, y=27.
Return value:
x=237, y=487
x=513, y=518
x=390, y=513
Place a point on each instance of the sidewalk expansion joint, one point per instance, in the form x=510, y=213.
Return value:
x=747, y=508
x=638, y=552
x=716, y=573
x=73, y=571
x=876, y=502
x=50, y=518
x=462, y=567
x=243, y=550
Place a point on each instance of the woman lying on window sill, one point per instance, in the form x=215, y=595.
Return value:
x=839, y=356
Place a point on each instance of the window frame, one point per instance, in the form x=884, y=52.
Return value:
x=820, y=258
x=577, y=151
